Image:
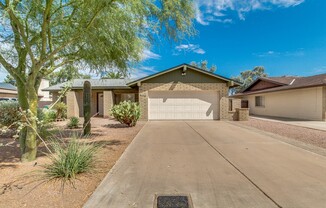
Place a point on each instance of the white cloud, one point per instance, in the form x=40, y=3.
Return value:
x=147, y=54
x=142, y=71
x=188, y=48
x=213, y=10
x=319, y=70
x=271, y=53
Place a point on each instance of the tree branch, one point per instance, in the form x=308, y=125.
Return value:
x=10, y=68
x=21, y=31
x=45, y=24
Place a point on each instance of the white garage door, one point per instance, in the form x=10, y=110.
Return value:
x=174, y=105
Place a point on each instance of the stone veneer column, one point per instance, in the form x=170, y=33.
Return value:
x=72, y=105
x=108, y=102
x=224, y=103
x=143, y=103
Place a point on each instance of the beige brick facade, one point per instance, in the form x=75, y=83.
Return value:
x=220, y=88
x=243, y=114
x=233, y=113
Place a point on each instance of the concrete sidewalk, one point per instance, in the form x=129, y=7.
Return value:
x=218, y=164
x=318, y=125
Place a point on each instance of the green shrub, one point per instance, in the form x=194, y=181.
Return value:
x=126, y=112
x=46, y=130
x=61, y=109
x=71, y=159
x=49, y=115
x=9, y=113
x=73, y=122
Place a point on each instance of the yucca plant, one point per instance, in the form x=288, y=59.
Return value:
x=71, y=159
x=126, y=112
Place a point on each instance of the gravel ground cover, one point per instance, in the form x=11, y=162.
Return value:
x=21, y=184
x=306, y=135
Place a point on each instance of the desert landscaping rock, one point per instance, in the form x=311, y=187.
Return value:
x=19, y=186
x=302, y=134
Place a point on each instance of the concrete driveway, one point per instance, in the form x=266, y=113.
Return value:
x=218, y=164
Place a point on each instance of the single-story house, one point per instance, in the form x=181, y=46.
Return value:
x=287, y=96
x=7, y=90
x=181, y=92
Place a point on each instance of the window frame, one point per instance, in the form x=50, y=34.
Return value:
x=260, y=101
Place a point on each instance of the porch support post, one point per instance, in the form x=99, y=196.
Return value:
x=108, y=102
x=72, y=105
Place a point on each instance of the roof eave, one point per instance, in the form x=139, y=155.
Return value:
x=177, y=67
x=263, y=79
x=278, y=90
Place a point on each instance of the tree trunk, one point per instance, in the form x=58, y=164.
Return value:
x=28, y=100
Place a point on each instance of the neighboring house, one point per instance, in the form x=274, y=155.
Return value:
x=181, y=92
x=287, y=96
x=7, y=90
x=44, y=95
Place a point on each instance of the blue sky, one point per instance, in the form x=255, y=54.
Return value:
x=287, y=37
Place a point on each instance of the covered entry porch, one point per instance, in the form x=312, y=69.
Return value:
x=101, y=101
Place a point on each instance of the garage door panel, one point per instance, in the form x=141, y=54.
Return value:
x=183, y=105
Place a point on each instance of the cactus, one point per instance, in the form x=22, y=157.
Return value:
x=87, y=94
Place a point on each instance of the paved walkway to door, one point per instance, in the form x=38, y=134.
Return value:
x=218, y=164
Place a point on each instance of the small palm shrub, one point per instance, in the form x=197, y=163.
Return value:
x=9, y=113
x=49, y=115
x=73, y=122
x=126, y=112
x=61, y=109
x=70, y=159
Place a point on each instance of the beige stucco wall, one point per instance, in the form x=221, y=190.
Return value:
x=220, y=88
x=8, y=93
x=5, y=95
x=300, y=103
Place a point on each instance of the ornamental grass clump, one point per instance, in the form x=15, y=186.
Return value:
x=126, y=112
x=73, y=123
x=70, y=159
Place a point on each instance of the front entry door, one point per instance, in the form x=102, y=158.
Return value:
x=100, y=108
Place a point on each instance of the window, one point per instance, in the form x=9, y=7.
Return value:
x=230, y=104
x=260, y=101
x=244, y=104
x=126, y=97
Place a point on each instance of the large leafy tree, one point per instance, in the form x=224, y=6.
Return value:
x=40, y=36
x=10, y=80
x=247, y=77
x=204, y=65
x=65, y=74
